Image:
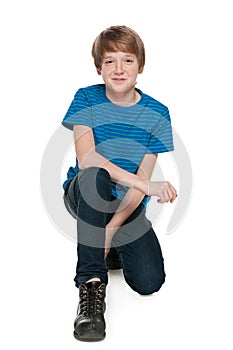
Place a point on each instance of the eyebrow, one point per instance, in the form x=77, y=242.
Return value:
x=126, y=55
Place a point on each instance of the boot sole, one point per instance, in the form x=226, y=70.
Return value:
x=89, y=336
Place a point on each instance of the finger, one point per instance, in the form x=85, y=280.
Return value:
x=171, y=195
x=174, y=194
x=106, y=251
x=168, y=195
x=174, y=197
x=171, y=191
x=161, y=199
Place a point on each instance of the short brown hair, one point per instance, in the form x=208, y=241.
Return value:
x=118, y=38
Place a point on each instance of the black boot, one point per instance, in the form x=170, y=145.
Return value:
x=90, y=324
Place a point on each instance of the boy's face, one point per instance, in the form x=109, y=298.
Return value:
x=119, y=71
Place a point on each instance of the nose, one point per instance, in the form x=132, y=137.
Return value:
x=118, y=68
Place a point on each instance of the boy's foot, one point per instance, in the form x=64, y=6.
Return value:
x=113, y=260
x=90, y=324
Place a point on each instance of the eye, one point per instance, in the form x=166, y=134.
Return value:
x=108, y=62
x=129, y=60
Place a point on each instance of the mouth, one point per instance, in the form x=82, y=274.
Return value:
x=118, y=80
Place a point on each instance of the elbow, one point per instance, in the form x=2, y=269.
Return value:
x=81, y=164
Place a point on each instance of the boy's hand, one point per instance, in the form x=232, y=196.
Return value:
x=163, y=189
x=109, y=234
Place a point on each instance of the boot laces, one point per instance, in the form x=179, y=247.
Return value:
x=92, y=301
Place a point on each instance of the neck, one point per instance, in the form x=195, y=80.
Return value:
x=123, y=99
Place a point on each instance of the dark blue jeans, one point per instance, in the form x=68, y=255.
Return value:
x=88, y=198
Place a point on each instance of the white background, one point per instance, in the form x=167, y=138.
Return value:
x=45, y=58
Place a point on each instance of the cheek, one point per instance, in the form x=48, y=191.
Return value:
x=134, y=72
x=105, y=72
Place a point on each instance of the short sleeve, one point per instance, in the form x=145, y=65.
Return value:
x=79, y=111
x=161, y=139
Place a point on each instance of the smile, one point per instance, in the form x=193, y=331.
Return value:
x=118, y=80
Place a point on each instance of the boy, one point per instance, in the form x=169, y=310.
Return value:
x=118, y=132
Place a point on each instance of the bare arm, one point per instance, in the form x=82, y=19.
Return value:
x=131, y=200
x=87, y=157
x=134, y=196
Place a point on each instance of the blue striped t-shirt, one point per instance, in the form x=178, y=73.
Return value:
x=123, y=135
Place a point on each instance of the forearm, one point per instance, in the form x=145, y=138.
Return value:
x=132, y=198
x=117, y=174
x=130, y=202
x=139, y=181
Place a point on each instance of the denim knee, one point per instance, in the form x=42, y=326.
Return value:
x=96, y=178
x=147, y=287
x=94, y=171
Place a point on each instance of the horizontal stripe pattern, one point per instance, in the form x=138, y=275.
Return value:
x=123, y=135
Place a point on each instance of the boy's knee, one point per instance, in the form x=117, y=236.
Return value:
x=94, y=173
x=95, y=182
x=148, y=290
x=148, y=287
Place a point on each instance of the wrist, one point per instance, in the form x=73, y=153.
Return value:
x=142, y=185
x=111, y=229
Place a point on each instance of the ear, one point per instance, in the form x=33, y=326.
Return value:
x=98, y=71
x=140, y=70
